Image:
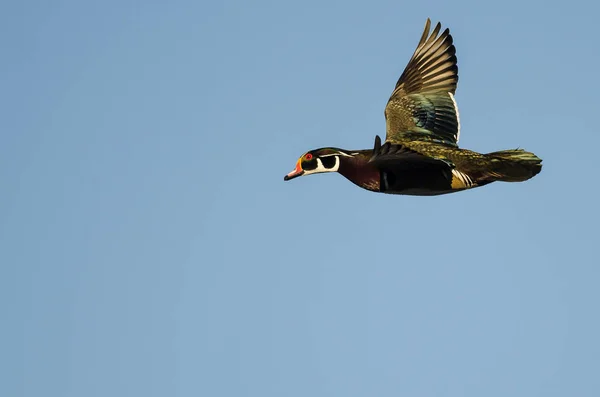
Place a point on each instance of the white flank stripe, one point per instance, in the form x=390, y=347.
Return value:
x=466, y=179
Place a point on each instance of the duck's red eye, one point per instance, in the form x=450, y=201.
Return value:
x=308, y=156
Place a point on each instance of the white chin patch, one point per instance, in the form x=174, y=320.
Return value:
x=320, y=168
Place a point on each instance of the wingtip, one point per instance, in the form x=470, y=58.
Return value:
x=425, y=32
x=436, y=28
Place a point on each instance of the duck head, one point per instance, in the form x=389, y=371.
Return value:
x=318, y=161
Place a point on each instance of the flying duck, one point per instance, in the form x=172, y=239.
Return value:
x=420, y=155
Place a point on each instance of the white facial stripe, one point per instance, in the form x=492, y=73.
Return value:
x=339, y=154
x=329, y=155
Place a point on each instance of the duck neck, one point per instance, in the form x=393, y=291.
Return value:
x=357, y=169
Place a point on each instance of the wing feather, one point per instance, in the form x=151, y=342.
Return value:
x=422, y=105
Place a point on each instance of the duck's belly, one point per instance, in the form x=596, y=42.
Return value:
x=424, y=182
x=422, y=192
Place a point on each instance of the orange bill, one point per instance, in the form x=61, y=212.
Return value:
x=298, y=171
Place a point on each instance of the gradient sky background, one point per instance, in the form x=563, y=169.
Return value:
x=150, y=247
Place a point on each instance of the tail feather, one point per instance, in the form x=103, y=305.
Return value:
x=515, y=165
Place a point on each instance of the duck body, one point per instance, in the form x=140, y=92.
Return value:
x=433, y=169
x=420, y=155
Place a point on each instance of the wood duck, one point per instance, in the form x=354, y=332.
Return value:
x=420, y=155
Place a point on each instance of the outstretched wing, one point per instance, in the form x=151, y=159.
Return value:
x=422, y=106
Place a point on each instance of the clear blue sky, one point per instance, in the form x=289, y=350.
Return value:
x=150, y=247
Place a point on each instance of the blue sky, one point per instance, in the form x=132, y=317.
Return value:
x=149, y=246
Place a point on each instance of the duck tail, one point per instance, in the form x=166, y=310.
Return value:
x=515, y=165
